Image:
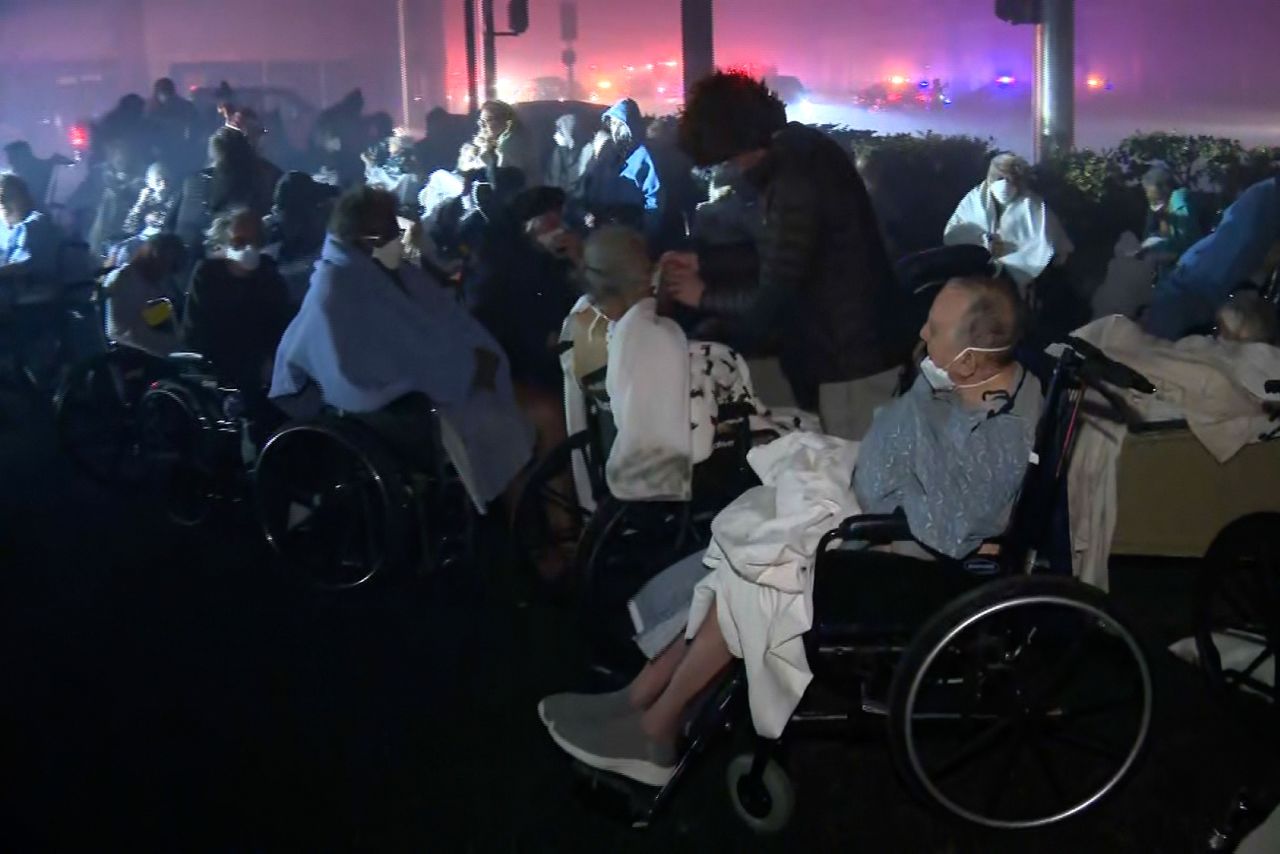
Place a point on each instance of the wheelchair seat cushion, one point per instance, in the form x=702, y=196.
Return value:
x=863, y=595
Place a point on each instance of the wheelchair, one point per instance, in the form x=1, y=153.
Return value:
x=50, y=328
x=345, y=501
x=131, y=420
x=620, y=545
x=1013, y=697
x=1229, y=531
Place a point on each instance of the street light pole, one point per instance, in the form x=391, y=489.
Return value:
x=469, y=19
x=401, y=13
x=490, y=51
x=698, y=40
x=1055, y=107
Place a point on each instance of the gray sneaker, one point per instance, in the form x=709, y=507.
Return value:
x=586, y=707
x=617, y=745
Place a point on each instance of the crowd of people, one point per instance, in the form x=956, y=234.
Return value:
x=388, y=278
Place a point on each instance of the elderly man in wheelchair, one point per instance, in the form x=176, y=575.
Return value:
x=953, y=477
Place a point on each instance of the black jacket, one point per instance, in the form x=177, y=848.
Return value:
x=235, y=322
x=825, y=291
x=522, y=295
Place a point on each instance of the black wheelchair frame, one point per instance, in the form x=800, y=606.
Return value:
x=132, y=420
x=343, y=505
x=1010, y=648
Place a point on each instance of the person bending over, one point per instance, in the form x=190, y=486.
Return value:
x=824, y=295
x=951, y=454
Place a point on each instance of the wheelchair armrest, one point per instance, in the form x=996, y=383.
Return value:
x=873, y=529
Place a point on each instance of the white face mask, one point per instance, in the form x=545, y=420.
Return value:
x=389, y=254
x=938, y=378
x=249, y=257
x=1003, y=192
x=1157, y=207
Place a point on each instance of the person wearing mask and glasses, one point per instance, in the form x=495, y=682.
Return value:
x=379, y=338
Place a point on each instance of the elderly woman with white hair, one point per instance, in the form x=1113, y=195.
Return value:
x=1004, y=215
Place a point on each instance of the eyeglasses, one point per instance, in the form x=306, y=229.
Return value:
x=383, y=239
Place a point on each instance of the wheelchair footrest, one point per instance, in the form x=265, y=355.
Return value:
x=618, y=797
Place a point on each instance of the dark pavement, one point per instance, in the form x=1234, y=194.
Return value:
x=165, y=689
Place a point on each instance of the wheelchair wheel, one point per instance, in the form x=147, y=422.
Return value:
x=1021, y=704
x=767, y=806
x=178, y=439
x=333, y=504
x=97, y=419
x=625, y=544
x=1238, y=608
x=548, y=519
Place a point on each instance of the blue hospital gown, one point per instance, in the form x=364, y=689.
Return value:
x=954, y=471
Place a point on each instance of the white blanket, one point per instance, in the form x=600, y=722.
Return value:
x=666, y=427
x=1033, y=232
x=648, y=387
x=1216, y=386
x=762, y=557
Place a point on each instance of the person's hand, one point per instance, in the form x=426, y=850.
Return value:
x=487, y=363
x=563, y=243
x=1000, y=248
x=673, y=261
x=686, y=290
x=680, y=280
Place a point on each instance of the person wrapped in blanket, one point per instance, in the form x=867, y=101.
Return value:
x=951, y=453
x=665, y=391
x=377, y=336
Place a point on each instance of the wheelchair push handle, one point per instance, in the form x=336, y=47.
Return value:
x=872, y=529
x=1099, y=367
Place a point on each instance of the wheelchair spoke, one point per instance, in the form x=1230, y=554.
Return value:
x=1259, y=659
x=1100, y=707
x=996, y=794
x=961, y=758
x=1063, y=674
x=1089, y=745
x=1050, y=774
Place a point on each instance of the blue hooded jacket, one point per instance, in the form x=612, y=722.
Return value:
x=1192, y=292
x=637, y=184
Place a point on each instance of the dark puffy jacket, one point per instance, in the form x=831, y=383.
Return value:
x=826, y=291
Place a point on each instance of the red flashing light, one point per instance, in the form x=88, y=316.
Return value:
x=1095, y=82
x=78, y=136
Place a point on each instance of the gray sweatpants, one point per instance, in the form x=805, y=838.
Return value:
x=847, y=408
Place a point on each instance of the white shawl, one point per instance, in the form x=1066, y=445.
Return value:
x=1027, y=224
